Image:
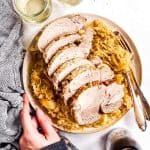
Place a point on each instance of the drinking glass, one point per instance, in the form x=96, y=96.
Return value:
x=35, y=11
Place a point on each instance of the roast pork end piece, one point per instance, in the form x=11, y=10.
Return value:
x=114, y=98
x=86, y=108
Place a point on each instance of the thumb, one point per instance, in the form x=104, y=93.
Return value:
x=46, y=124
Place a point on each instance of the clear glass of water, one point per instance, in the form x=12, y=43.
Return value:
x=35, y=11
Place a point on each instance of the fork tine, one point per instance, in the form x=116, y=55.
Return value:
x=122, y=44
x=125, y=44
x=122, y=41
x=119, y=39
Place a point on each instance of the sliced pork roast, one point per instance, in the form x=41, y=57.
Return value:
x=81, y=51
x=78, y=78
x=84, y=41
x=66, y=68
x=60, y=27
x=87, y=105
x=85, y=77
x=63, y=56
x=113, y=101
x=107, y=73
x=57, y=44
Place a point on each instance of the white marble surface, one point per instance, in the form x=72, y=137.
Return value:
x=133, y=16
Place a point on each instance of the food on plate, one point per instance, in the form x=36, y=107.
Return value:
x=67, y=67
x=52, y=48
x=113, y=99
x=71, y=52
x=86, y=106
x=77, y=73
x=63, y=26
x=87, y=76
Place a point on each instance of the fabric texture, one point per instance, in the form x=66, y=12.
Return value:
x=10, y=78
x=56, y=146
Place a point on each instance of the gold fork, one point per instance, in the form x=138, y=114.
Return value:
x=141, y=106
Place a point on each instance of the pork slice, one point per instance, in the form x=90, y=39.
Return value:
x=86, y=107
x=86, y=77
x=59, y=27
x=114, y=95
x=56, y=45
x=65, y=55
x=67, y=68
x=85, y=42
x=87, y=38
x=107, y=73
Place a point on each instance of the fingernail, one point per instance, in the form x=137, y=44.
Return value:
x=36, y=108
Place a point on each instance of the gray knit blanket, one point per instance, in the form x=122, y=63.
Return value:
x=10, y=78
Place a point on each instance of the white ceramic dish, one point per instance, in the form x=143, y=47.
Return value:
x=136, y=63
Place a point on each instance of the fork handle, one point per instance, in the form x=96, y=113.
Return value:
x=146, y=108
x=139, y=116
x=145, y=104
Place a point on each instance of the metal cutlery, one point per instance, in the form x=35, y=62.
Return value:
x=139, y=115
x=145, y=103
x=141, y=105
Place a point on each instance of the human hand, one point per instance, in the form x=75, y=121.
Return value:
x=32, y=139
